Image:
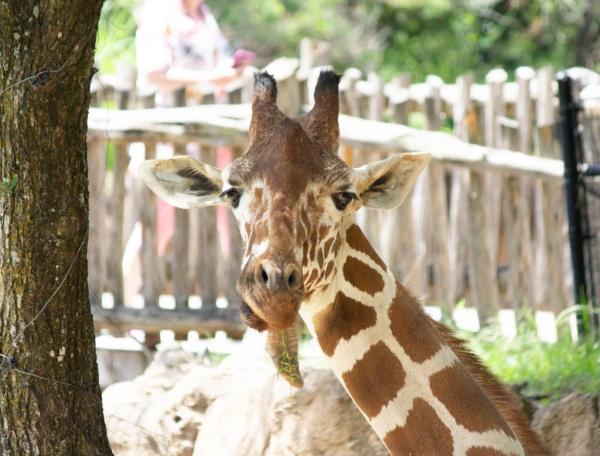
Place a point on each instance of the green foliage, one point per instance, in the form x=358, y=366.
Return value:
x=448, y=37
x=548, y=369
x=275, y=27
x=115, y=43
x=419, y=37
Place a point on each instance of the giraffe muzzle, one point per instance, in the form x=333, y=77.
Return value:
x=279, y=279
x=272, y=292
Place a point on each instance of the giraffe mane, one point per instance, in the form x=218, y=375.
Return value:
x=504, y=399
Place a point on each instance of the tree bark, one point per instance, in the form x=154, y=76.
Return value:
x=50, y=401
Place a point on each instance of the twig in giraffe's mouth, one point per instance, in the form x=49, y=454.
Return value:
x=282, y=345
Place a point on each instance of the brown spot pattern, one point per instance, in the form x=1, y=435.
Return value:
x=362, y=276
x=323, y=230
x=329, y=268
x=484, y=451
x=312, y=277
x=411, y=328
x=467, y=403
x=506, y=401
x=341, y=320
x=423, y=434
x=305, y=259
x=327, y=246
x=304, y=219
x=337, y=244
x=261, y=231
x=322, y=275
x=312, y=202
x=300, y=234
x=258, y=204
x=313, y=245
x=357, y=240
x=375, y=379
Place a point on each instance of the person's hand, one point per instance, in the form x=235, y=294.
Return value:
x=224, y=76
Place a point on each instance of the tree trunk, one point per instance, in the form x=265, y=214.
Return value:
x=50, y=401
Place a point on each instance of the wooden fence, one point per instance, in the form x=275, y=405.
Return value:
x=484, y=224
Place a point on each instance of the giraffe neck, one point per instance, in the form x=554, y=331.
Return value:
x=412, y=388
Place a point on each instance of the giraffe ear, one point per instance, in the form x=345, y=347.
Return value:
x=183, y=181
x=384, y=184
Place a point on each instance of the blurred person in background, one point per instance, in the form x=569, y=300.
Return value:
x=179, y=43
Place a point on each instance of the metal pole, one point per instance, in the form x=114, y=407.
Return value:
x=567, y=129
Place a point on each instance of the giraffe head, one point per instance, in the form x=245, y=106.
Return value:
x=290, y=193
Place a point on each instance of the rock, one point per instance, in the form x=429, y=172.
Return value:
x=570, y=426
x=119, y=365
x=161, y=411
x=320, y=419
x=265, y=416
x=182, y=408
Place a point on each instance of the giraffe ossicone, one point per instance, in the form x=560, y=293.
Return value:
x=418, y=386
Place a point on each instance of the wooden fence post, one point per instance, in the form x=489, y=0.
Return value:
x=516, y=205
x=549, y=261
x=208, y=260
x=457, y=245
x=377, y=99
x=484, y=210
x=151, y=275
x=232, y=263
x=234, y=260
x=288, y=96
x=97, y=231
x=524, y=108
x=181, y=237
x=351, y=104
x=545, y=117
x=436, y=206
x=494, y=107
x=518, y=240
x=482, y=273
x=398, y=96
x=116, y=246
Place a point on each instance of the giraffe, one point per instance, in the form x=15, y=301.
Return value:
x=419, y=387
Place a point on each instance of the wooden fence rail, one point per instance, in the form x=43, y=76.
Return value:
x=484, y=224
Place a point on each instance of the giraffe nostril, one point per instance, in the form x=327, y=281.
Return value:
x=292, y=279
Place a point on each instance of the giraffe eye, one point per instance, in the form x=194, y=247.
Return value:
x=342, y=199
x=233, y=195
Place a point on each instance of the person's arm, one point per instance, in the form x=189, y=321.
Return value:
x=183, y=76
